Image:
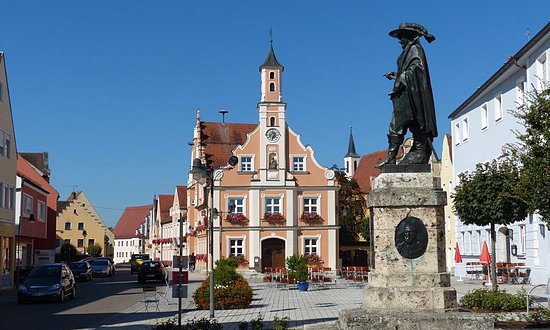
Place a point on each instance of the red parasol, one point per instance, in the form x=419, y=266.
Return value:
x=485, y=256
x=458, y=257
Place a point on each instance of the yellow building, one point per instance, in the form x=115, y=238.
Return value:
x=8, y=173
x=79, y=224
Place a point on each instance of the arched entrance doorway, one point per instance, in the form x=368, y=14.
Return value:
x=273, y=253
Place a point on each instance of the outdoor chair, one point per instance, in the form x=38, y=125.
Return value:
x=150, y=297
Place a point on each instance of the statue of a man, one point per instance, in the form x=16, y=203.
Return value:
x=413, y=104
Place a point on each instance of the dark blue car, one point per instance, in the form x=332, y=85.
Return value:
x=81, y=270
x=47, y=282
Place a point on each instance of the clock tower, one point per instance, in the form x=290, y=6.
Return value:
x=271, y=108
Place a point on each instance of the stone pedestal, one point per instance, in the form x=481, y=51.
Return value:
x=419, y=283
x=409, y=287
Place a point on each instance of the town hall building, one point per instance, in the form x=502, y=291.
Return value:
x=277, y=201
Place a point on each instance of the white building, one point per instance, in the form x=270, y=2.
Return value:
x=481, y=126
x=131, y=232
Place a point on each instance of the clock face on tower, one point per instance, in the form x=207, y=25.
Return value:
x=273, y=135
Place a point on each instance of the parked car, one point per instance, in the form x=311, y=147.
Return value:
x=47, y=282
x=136, y=260
x=152, y=271
x=101, y=268
x=81, y=270
x=111, y=263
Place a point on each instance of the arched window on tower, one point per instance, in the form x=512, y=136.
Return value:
x=272, y=75
x=271, y=121
x=272, y=87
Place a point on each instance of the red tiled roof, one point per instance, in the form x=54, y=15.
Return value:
x=219, y=140
x=27, y=171
x=130, y=220
x=165, y=203
x=366, y=170
x=73, y=195
x=182, y=196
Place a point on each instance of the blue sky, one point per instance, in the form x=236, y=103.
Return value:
x=110, y=88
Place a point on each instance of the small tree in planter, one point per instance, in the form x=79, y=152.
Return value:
x=297, y=270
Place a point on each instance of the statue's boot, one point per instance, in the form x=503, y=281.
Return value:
x=420, y=151
x=394, y=141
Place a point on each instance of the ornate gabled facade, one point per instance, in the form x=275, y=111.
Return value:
x=79, y=224
x=277, y=201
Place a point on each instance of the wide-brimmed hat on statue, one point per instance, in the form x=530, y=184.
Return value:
x=415, y=29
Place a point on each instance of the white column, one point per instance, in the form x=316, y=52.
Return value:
x=254, y=207
x=254, y=247
x=331, y=200
x=332, y=249
x=291, y=215
x=291, y=247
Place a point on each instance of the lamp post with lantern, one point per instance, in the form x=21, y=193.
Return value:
x=205, y=175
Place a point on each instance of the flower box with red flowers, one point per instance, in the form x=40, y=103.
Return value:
x=275, y=218
x=236, y=219
x=313, y=258
x=200, y=228
x=311, y=217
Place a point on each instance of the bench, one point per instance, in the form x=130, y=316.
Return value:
x=545, y=294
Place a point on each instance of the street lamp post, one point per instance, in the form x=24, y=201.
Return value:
x=180, y=284
x=203, y=174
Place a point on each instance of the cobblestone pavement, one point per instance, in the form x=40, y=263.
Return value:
x=318, y=306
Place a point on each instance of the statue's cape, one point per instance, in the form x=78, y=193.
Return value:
x=414, y=74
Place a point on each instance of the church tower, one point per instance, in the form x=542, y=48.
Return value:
x=271, y=108
x=351, y=159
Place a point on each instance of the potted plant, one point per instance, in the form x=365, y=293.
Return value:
x=297, y=270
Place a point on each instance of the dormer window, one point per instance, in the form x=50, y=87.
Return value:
x=271, y=87
x=272, y=75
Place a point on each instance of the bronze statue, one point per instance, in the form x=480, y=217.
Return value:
x=413, y=104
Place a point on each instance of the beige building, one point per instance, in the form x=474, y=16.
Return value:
x=8, y=174
x=447, y=185
x=79, y=224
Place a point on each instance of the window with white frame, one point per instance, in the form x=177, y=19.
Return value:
x=470, y=249
x=298, y=164
x=542, y=69
x=7, y=196
x=520, y=93
x=2, y=138
x=236, y=247
x=310, y=205
x=311, y=246
x=67, y=226
x=1, y=92
x=457, y=134
x=41, y=211
x=498, y=108
x=5, y=144
x=235, y=205
x=522, y=239
x=246, y=164
x=465, y=129
x=273, y=205
x=484, y=116
x=27, y=205
x=1, y=195
x=478, y=241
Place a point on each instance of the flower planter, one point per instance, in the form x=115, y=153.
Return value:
x=303, y=286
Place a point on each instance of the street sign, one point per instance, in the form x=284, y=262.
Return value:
x=184, y=291
x=184, y=277
x=176, y=262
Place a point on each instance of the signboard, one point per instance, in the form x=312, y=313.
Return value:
x=176, y=262
x=44, y=257
x=184, y=291
x=184, y=277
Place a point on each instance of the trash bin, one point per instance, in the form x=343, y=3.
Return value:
x=258, y=264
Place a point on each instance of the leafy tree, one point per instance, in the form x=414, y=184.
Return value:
x=68, y=252
x=353, y=210
x=534, y=152
x=490, y=196
x=94, y=250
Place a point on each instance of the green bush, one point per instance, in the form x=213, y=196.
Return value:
x=280, y=323
x=225, y=275
x=482, y=299
x=231, y=262
x=200, y=324
x=297, y=267
x=94, y=250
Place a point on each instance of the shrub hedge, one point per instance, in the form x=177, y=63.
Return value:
x=235, y=295
x=482, y=299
